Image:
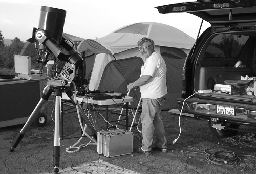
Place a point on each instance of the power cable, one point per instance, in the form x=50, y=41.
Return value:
x=74, y=147
x=175, y=140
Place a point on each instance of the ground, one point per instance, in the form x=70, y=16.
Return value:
x=197, y=150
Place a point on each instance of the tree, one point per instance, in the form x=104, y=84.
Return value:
x=31, y=51
x=1, y=40
x=1, y=49
x=16, y=46
x=8, y=52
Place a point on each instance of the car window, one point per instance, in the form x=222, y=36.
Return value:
x=224, y=50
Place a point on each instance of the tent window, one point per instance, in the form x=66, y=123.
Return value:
x=117, y=74
x=135, y=29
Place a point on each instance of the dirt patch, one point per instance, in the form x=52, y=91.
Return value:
x=194, y=152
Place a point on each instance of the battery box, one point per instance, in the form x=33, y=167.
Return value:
x=114, y=142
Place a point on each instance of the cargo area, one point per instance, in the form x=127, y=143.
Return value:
x=224, y=79
x=226, y=57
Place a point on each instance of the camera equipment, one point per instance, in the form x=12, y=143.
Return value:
x=50, y=43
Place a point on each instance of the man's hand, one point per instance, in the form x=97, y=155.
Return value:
x=130, y=86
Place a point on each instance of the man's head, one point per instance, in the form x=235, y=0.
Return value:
x=146, y=47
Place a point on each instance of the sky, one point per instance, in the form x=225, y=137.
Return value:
x=91, y=19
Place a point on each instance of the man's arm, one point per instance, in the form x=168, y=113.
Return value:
x=144, y=79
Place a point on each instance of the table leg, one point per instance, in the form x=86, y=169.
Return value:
x=61, y=120
x=107, y=117
x=126, y=116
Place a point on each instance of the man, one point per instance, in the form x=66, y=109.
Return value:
x=152, y=84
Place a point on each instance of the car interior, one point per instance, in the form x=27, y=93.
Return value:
x=226, y=56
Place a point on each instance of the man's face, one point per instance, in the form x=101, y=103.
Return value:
x=146, y=49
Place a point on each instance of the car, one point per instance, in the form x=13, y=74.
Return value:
x=220, y=69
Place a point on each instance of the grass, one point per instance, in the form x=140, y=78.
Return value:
x=6, y=71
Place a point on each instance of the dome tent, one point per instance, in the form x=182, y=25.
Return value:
x=113, y=71
x=162, y=34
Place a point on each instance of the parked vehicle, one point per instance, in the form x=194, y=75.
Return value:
x=220, y=70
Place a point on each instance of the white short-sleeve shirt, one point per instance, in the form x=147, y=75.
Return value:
x=155, y=67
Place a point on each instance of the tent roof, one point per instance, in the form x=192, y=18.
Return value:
x=73, y=38
x=162, y=34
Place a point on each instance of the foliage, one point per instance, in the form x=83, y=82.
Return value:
x=16, y=48
x=32, y=52
x=8, y=52
x=6, y=71
x=1, y=40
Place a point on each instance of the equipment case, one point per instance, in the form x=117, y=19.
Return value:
x=114, y=142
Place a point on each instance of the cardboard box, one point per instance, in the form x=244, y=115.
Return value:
x=22, y=64
x=114, y=142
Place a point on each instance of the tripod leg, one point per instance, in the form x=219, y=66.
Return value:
x=46, y=94
x=56, y=154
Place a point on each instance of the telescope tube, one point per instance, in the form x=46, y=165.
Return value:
x=52, y=21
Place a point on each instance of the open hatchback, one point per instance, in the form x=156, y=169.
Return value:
x=220, y=70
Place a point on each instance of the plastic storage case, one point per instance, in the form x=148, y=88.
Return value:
x=114, y=142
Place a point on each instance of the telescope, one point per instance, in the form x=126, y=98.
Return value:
x=50, y=43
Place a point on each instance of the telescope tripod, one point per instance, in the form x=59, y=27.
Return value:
x=48, y=90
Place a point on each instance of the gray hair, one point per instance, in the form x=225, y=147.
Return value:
x=145, y=39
